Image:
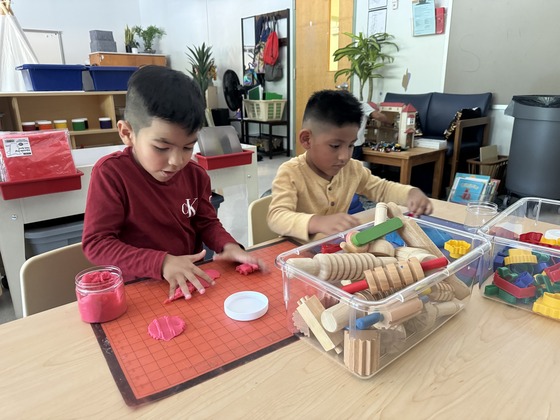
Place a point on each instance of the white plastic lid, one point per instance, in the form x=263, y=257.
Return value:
x=246, y=306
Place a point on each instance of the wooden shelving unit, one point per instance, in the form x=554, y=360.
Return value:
x=19, y=107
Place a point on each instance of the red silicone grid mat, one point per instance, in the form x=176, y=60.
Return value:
x=146, y=369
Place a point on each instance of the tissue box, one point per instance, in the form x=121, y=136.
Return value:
x=525, y=266
x=366, y=330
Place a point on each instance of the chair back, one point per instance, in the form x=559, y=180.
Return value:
x=47, y=279
x=258, y=226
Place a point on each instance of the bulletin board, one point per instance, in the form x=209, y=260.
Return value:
x=47, y=45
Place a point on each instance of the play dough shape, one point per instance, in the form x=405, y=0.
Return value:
x=166, y=327
x=246, y=306
x=214, y=274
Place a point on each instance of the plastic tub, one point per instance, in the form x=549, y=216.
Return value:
x=525, y=254
x=363, y=334
x=43, y=239
x=111, y=77
x=45, y=77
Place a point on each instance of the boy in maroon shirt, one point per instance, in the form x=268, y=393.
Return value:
x=148, y=209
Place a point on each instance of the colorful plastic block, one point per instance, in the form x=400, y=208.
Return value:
x=524, y=280
x=457, y=248
x=553, y=272
x=505, y=296
x=507, y=274
x=520, y=256
x=548, y=305
x=375, y=232
x=491, y=290
x=514, y=290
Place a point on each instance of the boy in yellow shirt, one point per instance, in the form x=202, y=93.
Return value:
x=311, y=193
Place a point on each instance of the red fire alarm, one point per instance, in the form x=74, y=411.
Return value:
x=440, y=20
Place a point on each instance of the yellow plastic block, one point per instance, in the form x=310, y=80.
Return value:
x=520, y=256
x=457, y=248
x=548, y=305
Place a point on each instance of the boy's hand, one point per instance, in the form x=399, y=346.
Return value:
x=178, y=270
x=418, y=203
x=233, y=252
x=332, y=224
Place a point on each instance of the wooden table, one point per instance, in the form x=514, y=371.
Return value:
x=406, y=160
x=491, y=361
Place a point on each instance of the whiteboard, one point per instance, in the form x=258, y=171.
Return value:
x=47, y=45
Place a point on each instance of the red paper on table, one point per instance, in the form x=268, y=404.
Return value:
x=25, y=155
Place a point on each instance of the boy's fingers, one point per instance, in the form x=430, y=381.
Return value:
x=197, y=284
x=185, y=288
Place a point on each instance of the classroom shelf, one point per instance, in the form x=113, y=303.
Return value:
x=19, y=107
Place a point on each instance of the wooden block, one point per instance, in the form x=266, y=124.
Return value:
x=361, y=351
x=405, y=273
x=381, y=248
x=376, y=232
x=336, y=317
x=307, y=265
x=310, y=309
x=380, y=213
x=416, y=269
x=414, y=236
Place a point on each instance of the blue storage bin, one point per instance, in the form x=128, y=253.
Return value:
x=111, y=77
x=41, y=77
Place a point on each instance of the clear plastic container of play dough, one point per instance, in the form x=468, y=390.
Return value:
x=100, y=293
x=366, y=330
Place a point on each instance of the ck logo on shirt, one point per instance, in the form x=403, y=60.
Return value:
x=188, y=208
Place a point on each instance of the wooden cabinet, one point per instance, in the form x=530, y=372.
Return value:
x=20, y=107
x=120, y=59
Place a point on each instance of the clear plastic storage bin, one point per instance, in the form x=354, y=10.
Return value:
x=525, y=269
x=367, y=330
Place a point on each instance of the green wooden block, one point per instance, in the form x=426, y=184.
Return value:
x=375, y=232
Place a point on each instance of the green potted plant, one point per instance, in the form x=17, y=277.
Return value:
x=148, y=36
x=202, y=70
x=129, y=40
x=366, y=58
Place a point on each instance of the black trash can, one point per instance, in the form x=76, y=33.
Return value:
x=533, y=168
x=216, y=200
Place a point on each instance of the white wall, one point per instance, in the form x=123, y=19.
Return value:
x=187, y=23
x=75, y=19
x=425, y=58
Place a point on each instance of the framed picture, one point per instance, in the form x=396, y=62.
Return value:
x=375, y=4
x=377, y=21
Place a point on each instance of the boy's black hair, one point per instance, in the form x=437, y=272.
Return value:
x=160, y=92
x=336, y=107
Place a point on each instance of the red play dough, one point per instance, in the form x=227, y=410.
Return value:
x=246, y=268
x=166, y=327
x=105, y=297
x=214, y=274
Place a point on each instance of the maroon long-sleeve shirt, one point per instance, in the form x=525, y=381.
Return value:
x=132, y=220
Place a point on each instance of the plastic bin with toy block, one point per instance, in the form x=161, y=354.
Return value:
x=525, y=270
x=365, y=301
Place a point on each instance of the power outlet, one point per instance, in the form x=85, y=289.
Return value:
x=395, y=4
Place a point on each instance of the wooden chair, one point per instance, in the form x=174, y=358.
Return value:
x=47, y=279
x=258, y=226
